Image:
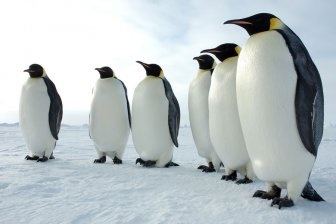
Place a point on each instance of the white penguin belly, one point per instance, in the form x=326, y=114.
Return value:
x=34, y=117
x=109, y=124
x=225, y=129
x=266, y=85
x=199, y=114
x=150, y=129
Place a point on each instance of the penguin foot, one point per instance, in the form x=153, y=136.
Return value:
x=43, y=159
x=100, y=160
x=202, y=167
x=52, y=156
x=232, y=176
x=171, y=164
x=116, y=160
x=275, y=192
x=148, y=163
x=246, y=180
x=31, y=158
x=209, y=170
x=139, y=160
x=282, y=202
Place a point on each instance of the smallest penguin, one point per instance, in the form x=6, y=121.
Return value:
x=199, y=112
x=110, y=119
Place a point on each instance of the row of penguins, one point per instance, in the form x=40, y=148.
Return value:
x=259, y=111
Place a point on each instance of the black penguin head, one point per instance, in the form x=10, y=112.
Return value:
x=224, y=51
x=205, y=62
x=152, y=69
x=35, y=71
x=105, y=72
x=258, y=23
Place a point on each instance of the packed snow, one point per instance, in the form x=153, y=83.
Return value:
x=71, y=189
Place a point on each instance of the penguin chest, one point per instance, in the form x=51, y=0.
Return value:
x=109, y=125
x=199, y=112
x=225, y=129
x=150, y=129
x=34, y=115
x=266, y=86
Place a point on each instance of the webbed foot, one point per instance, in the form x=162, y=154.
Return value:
x=232, y=176
x=171, y=164
x=275, y=192
x=246, y=180
x=147, y=163
x=282, y=202
x=31, y=157
x=100, y=160
x=43, y=159
x=207, y=169
x=116, y=160
x=202, y=167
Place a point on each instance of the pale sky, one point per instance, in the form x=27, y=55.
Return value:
x=70, y=38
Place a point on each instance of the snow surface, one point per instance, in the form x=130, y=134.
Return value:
x=71, y=189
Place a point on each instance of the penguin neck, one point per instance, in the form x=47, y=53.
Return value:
x=229, y=59
x=203, y=72
x=107, y=78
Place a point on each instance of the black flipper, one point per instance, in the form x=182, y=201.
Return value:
x=309, y=100
x=128, y=106
x=56, y=108
x=173, y=112
x=309, y=193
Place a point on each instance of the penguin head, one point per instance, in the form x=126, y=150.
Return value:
x=152, y=69
x=105, y=72
x=258, y=23
x=224, y=51
x=35, y=71
x=205, y=62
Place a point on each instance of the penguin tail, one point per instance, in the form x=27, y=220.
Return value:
x=309, y=193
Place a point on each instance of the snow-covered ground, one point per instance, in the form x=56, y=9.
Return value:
x=71, y=189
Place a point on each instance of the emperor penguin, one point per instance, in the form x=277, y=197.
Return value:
x=40, y=114
x=280, y=104
x=199, y=112
x=155, y=119
x=224, y=123
x=110, y=119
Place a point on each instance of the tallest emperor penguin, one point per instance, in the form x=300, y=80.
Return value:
x=40, y=114
x=280, y=104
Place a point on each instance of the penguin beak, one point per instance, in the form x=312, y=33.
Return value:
x=98, y=69
x=143, y=64
x=198, y=59
x=27, y=70
x=238, y=22
x=210, y=51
